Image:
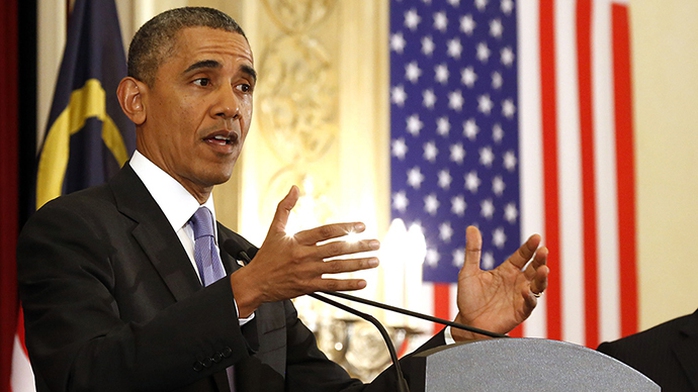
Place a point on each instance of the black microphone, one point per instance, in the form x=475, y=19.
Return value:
x=236, y=249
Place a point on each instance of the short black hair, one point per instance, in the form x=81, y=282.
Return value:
x=155, y=40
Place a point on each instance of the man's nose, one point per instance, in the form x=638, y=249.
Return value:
x=227, y=104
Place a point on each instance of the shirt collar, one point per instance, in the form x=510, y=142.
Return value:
x=176, y=203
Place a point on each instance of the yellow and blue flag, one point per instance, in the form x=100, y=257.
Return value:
x=88, y=137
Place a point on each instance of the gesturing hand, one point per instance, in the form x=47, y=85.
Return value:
x=287, y=266
x=500, y=299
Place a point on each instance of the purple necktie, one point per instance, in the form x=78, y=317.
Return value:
x=208, y=261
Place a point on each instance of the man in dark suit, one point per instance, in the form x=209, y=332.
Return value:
x=666, y=353
x=109, y=276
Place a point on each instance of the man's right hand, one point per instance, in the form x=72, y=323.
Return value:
x=287, y=266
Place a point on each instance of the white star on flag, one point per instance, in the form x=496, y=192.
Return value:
x=484, y=104
x=507, y=6
x=441, y=73
x=399, y=148
x=427, y=45
x=508, y=108
x=412, y=19
x=467, y=24
x=400, y=201
x=468, y=76
x=511, y=213
x=509, y=160
x=483, y=52
x=431, y=204
x=445, y=231
x=470, y=129
x=443, y=126
x=497, y=133
x=415, y=177
x=481, y=4
x=455, y=100
x=458, y=258
x=487, y=262
x=499, y=238
x=398, y=95
x=414, y=124
x=486, y=156
x=497, y=80
x=496, y=28
x=428, y=99
x=487, y=208
x=397, y=42
x=454, y=48
x=472, y=181
x=498, y=185
x=430, y=151
x=432, y=258
x=445, y=179
x=412, y=72
x=458, y=205
x=457, y=153
x=440, y=21
x=507, y=56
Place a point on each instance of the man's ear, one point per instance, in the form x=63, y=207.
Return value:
x=130, y=94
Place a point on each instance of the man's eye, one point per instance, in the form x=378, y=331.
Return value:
x=244, y=87
x=203, y=82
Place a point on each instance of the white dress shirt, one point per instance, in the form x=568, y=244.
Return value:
x=177, y=204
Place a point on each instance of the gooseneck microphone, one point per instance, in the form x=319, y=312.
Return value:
x=235, y=249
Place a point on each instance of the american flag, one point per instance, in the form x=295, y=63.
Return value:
x=515, y=116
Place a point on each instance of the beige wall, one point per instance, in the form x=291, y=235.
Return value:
x=665, y=71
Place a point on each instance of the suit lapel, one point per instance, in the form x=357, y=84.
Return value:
x=688, y=347
x=229, y=262
x=154, y=233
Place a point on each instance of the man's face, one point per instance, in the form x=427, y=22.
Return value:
x=199, y=108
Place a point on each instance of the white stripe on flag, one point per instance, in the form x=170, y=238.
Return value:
x=569, y=175
x=22, y=379
x=606, y=196
x=530, y=144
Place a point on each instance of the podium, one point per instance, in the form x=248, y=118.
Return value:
x=521, y=365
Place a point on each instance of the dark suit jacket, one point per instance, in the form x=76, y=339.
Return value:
x=111, y=303
x=667, y=353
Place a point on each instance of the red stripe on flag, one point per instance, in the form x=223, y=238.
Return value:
x=586, y=130
x=516, y=332
x=550, y=164
x=20, y=331
x=625, y=159
x=442, y=300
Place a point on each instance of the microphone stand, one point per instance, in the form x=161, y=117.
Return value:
x=237, y=251
x=415, y=314
x=402, y=383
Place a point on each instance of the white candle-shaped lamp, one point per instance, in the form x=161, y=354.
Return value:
x=417, y=251
x=393, y=264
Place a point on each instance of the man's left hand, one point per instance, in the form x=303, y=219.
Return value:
x=500, y=299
